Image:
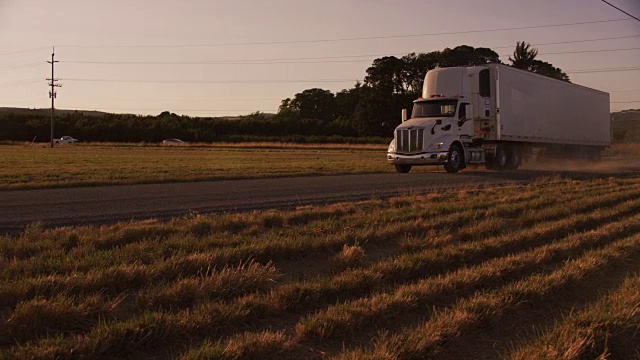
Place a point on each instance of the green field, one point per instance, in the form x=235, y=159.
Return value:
x=38, y=166
x=547, y=270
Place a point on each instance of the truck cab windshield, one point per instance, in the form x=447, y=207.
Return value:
x=434, y=108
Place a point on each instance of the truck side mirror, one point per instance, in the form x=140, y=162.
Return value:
x=404, y=115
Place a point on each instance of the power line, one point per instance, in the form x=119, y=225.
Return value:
x=345, y=39
x=23, y=82
x=15, y=67
x=24, y=51
x=277, y=81
x=582, y=51
x=239, y=62
x=576, y=41
x=586, y=51
x=194, y=99
x=625, y=102
x=216, y=81
x=165, y=109
x=293, y=60
x=590, y=71
x=617, y=8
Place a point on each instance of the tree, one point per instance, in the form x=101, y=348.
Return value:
x=285, y=110
x=546, y=69
x=311, y=104
x=404, y=76
x=414, y=69
x=523, y=56
x=374, y=108
x=392, y=83
x=385, y=74
x=465, y=55
x=347, y=100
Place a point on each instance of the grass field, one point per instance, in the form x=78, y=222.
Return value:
x=37, y=166
x=24, y=166
x=547, y=270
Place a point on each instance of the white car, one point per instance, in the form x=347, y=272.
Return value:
x=173, y=142
x=65, y=140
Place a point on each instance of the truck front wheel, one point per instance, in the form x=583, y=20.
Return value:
x=403, y=168
x=455, y=159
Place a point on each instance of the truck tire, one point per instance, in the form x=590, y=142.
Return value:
x=499, y=161
x=488, y=163
x=594, y=155
x=514, y=158
x=403, y=168
x=455, y=159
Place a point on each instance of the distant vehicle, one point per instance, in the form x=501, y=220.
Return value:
x=65, y=140
x=173, y=142
x=498, y=115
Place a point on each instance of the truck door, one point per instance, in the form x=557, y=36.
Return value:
x=465, y=121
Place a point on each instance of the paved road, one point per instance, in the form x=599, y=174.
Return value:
x=108, y=204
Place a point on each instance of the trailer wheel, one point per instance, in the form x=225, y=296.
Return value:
x=514, y=158
x=455, y=159
x=594, y=155
x=403, y=168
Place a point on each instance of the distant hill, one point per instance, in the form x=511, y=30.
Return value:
x=47, y=111
x=626, y=126
x=27, y=111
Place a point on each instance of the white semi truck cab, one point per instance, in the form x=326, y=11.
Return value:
x=498, y=115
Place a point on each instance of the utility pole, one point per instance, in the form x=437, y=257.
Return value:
x=52, y=92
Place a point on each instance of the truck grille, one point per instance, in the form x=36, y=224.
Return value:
x=409, y=140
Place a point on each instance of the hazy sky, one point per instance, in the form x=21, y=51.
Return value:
x=265, y=45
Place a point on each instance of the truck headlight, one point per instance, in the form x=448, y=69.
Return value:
x=436, y=146
x=392, y=147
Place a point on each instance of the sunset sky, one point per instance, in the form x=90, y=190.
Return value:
x=216, y=58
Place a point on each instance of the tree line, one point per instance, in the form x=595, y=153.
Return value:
x=391, y=84
x=35, y=126
x=368, y=110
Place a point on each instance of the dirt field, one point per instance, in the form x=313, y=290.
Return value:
x=545, y=270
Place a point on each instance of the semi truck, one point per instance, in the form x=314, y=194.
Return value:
x=498, y=115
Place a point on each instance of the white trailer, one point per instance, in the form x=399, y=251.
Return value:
x=498, y=115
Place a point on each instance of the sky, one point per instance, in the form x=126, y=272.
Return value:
x=225, y=58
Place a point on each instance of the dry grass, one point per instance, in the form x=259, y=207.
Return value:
x=36, y=166
x=350, y=256
x=422, y=276
x=602, y=330
x=28, y=166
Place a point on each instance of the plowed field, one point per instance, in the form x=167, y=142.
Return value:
x=546, y=270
